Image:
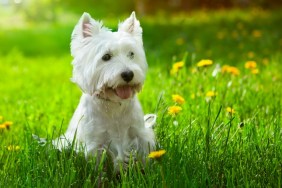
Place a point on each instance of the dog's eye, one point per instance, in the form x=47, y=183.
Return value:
x=130, y=55
x=107, y=57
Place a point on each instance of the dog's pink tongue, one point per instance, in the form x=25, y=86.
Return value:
x=124, y=92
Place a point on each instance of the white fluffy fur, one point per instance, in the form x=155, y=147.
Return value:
x=103, y=120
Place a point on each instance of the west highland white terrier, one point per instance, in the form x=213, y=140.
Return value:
x=110, y=68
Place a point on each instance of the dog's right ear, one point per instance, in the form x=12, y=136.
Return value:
x=84, y=30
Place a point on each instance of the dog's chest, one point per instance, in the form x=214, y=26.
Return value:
x=116, y=120
x=118, y=128
x=108, y=124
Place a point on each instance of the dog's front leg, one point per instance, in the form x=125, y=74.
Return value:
x=144, y=140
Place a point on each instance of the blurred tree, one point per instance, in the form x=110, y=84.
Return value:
x=47, y=10
x=149, y=7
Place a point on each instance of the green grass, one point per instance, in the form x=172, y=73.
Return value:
x=205, y=145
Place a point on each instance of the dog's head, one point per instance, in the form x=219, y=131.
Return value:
x=109, y=64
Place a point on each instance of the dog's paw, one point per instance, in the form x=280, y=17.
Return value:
x=150, y=120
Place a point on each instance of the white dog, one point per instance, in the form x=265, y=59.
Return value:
x=110, y=69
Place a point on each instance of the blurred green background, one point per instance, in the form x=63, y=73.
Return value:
x=44, y=27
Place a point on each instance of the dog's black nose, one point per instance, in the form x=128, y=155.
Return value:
x=127, y=75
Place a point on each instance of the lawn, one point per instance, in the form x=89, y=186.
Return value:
x=225, y=66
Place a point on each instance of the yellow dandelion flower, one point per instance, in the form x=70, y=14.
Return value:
x=250, y=65
x=173, y=110
x=234, y=71
x=204, y=63
x=156, y=154
x=1, y=118
x=230, y=110
x=255, y=71
x=2, y=126
x=210, y=94
x=8, y=123
x=178, y=99
x=176, y=67
x=225, y=69
x=230, y=69
x=13, y=148
x=257, y=33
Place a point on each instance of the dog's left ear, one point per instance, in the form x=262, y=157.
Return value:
x=131, y=25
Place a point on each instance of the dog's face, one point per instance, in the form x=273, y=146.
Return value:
x=109, y=64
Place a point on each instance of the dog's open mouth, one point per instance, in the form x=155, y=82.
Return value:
x=126, y=91
x=121, y=91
